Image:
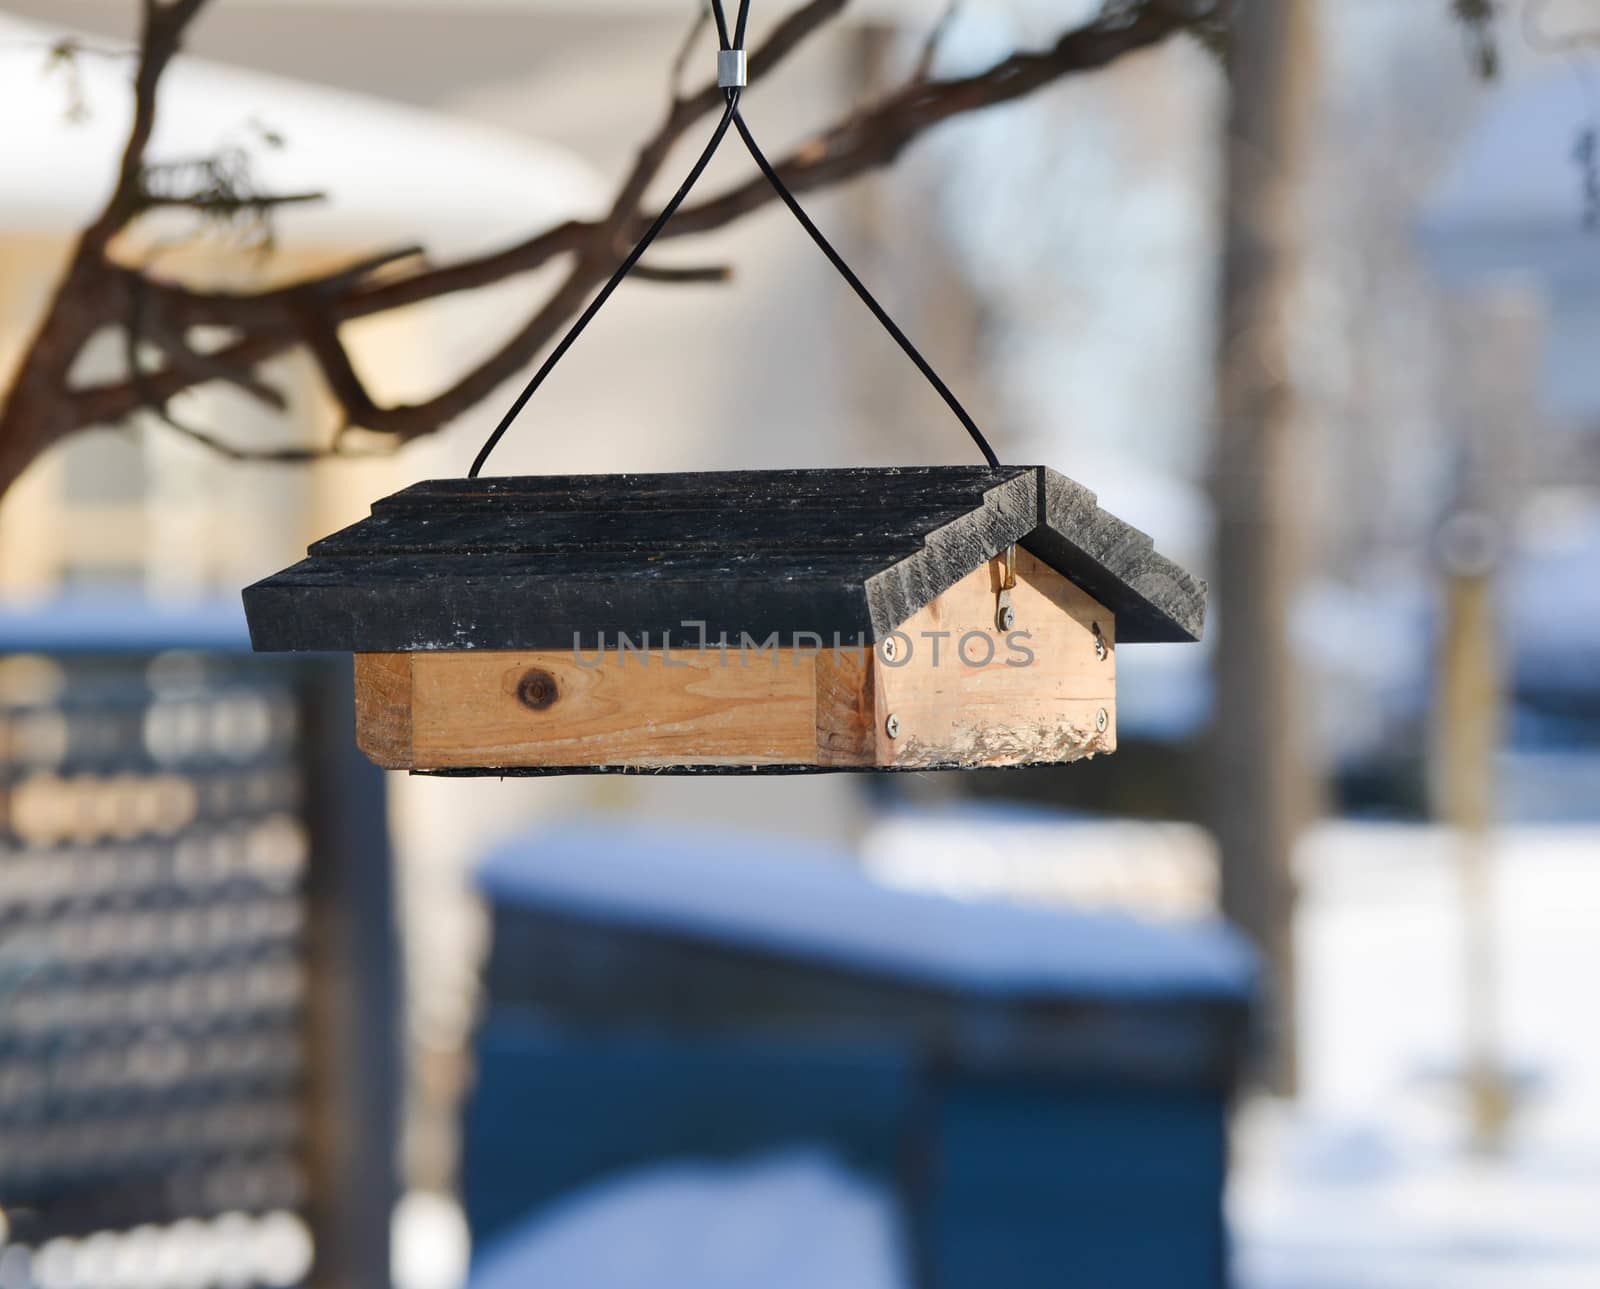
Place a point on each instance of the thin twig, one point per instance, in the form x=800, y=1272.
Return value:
x=680, y=63
x=154, y=403
x=682, y=275
x=930, y=47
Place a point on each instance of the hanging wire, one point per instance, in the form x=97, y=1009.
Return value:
x=598, y=302
x=721, y=20
x=860, y=288
x=731, y=116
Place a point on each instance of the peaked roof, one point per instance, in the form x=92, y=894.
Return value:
x=533, y=563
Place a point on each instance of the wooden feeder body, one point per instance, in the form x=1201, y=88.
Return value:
x=1046, y=694
x=903, y=660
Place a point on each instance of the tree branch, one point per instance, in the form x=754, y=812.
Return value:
x=878, y=133
x=161, y=36
x=307, y=315
x=930, y=46
x=154, y=401
x=219, y=204
x=108, y=404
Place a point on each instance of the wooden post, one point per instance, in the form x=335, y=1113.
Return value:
x=1261, y=792
x=1467, y=736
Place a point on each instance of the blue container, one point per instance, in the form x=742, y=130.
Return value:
x=1045, y=1092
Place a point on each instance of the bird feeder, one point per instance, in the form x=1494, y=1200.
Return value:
x=768, y=621
x=740, y=622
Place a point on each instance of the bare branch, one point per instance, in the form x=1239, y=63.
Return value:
x=466, y=275
x=205, y=367
x=683, y=112
x=212, y=204
x=307, y=315
x=110, y=403
x=160, y=39
x=684, y=275
x=878, y=133
x=872, y=138
x=268, y=309
x=63, y=57
x=680, y=64
x=930, y=46
x=353, y=274
x=154, y=401
x=280, y=456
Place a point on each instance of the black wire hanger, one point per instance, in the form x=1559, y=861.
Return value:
x=731, y=78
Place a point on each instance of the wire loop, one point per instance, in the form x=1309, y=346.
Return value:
x=732, y=86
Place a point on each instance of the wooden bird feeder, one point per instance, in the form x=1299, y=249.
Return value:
x=764, y=621
x=742, y=622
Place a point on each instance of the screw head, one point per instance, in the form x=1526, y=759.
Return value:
x=1100, y=650
x=889, y=649
x=1102, y=722
x=1006, y=617
x=891, y=726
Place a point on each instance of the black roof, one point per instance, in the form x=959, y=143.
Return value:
x=528, y=563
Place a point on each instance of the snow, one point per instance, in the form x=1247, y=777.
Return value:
x=1368, y=1180
x=430, y=1242
x=791, y=1221
x=1371, y=1207
x=392, y=173
x=815, y=902
x=1035, y=855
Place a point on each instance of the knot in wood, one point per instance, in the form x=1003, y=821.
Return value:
x=537, y=690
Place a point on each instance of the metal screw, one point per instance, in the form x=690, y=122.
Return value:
x=889, y=649
x=891, y=727
x=1101, y=720
x=1100, y=649
x=1006, y=617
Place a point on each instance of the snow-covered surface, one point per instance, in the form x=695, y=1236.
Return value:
x=1166, y=871
x=813, y=902
x=792, y=1221
x=1372, y=1206
x=1368, y=1182
x=390, y=172
x=430, y=1242
x=113, y=624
